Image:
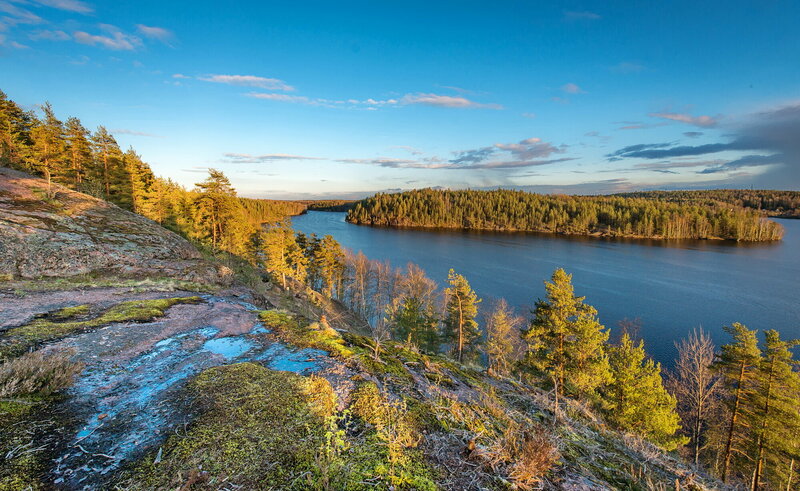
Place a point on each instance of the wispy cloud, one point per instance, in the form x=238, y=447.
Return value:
x=157, y=33
x=627, y=67
x=581, y=15
x=434, y=100
x=134, y=133
x=249, y=81
x=692, y=134
x=17, y=15
x=702, y=121
x=437, y=100
x=637, y=125
x=246, y=158
x=115, y=39
x=49, y=36
x=68, y=5
x=571, y=88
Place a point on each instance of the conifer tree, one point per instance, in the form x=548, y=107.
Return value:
x=15, y=134
x=565, y=342
x=737, y=364
x=411, y=312
x=79, y=149
x=329, y=260
x=636, y=396
x=277, y=241
x=776, y=416
x=215, y=208
x=48, y=145
x=107, y=153
x=502, y=338
x=461, y=310
x=414, y=322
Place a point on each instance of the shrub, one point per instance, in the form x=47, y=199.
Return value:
x=38, y=373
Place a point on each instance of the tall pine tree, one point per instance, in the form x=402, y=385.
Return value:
x=460, y=327
x=565, y=341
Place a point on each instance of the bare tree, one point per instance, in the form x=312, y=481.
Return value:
x=695, y=385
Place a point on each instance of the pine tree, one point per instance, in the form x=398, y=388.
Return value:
x=566, y=342
x=215, y=208
x=461, y=310
x=107, y=154
x=15, y=134
x=48, y=146
x=411, y=313
x=777, y=410
x=277, y=239
x=636, y=396
x=79, y=150
x=414, y=322
x=502, y=338
x=737, y=364
x=329, y=260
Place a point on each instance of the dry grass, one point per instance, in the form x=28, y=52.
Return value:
x=38, y=373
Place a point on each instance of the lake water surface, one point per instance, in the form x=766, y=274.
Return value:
x=671, y=286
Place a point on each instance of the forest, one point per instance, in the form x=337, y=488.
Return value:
x=734, y=410
x=785, y=204
x=613, y=216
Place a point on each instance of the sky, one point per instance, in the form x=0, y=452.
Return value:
x=344, y=99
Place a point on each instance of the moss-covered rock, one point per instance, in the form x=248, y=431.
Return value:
x=256, y=429
x=76, y=319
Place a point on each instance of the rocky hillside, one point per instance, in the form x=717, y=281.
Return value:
x=224, y=387
x=61, y=233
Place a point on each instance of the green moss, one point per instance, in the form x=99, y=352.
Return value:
x=256, y=429
x=21, y=470
x=306, y=335
x=388, y=451
x=102, y=280
x=64, y=322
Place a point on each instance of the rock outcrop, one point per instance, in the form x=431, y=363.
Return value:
x=63, y=233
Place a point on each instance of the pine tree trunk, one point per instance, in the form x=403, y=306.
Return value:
x=460, y=330
x=761, y=435
x=734, y=417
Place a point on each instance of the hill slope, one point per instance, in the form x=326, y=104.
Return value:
x=70, y=233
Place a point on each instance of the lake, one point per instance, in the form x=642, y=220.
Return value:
x=671, y=286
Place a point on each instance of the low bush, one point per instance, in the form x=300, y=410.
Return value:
x=38, y=373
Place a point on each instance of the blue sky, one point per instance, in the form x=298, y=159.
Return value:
x=342, y=99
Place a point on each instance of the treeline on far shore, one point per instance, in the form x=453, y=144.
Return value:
x=611, y=216
x=784, y=204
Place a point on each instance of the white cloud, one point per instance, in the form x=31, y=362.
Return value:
x=445, y=101
x=68, y=5
x=115, y=40
x=49, y=36
x=249, y=81
x=702, y=121
x=152, y=32
x=246, y=158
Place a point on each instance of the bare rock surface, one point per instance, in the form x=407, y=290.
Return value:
x=75, y=234
x=128, y=398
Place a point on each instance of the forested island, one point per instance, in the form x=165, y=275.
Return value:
x=610, y=216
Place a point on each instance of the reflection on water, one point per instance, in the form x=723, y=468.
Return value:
x=672, y=286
